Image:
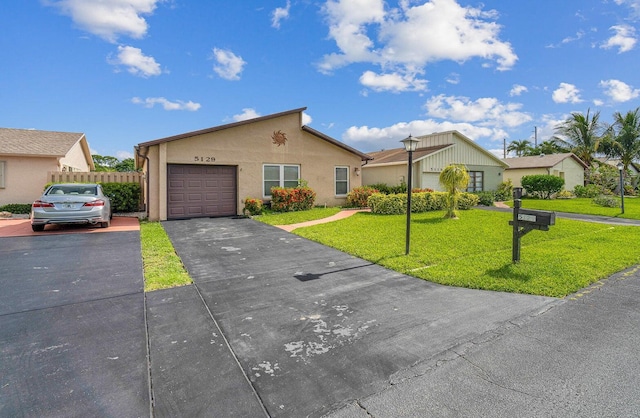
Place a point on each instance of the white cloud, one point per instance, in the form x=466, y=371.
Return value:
x=166, y=104
x=619, y=91
x=137, y=63
x=372, y=139
x=487, y=111
x=109, y=19
x=481, y=118
x=393, y=82
x=247, y=113
x=229, y=65
x=517, y=90
x=410, y=37
x=123, y=155
x=566, y=93
x=306, y=118
x=453, y=78
x=624, y=38
x=279, y=14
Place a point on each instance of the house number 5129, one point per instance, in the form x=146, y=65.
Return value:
x=204, y=159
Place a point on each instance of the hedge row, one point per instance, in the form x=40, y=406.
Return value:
x=396, y=204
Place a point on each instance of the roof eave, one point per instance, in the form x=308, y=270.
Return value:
x=219, y=128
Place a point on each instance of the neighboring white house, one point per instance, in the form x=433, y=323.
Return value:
x=567, y=166
x=435, y=152
x=27, y=156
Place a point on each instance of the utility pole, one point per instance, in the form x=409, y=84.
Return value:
x=535, y=135
x=504, y=148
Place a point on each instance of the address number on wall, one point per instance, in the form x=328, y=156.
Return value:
x=204, y=159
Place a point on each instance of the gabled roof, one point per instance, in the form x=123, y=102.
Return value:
x=29, y=142
x=399, y=155
x=249, y=121
x=218, y=128
x=541, y=161
x=365, y=157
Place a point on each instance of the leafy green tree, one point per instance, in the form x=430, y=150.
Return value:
x=581, y=134
x=520, y=147
x=125, y=165
x=104, y=163
x=624, y=137
x=454, y=178
x=108, y=163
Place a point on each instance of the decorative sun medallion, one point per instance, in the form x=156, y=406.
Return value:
x=279, y=138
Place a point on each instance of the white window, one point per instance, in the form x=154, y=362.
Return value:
x=279, y=175
x=2, y=168
x=342, y=181
x=476, y=181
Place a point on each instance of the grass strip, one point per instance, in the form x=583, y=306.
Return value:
x=162, y=266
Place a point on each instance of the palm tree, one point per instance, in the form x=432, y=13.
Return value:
x=546, y=148
x=453, y=177
x=521, y=147
x=625, y=137
x=581, y=134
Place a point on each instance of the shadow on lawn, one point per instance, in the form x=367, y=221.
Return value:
x=509, y=272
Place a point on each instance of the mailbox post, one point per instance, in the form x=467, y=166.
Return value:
x=525, y=221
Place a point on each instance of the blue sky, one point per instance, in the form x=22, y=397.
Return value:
x=370, y=72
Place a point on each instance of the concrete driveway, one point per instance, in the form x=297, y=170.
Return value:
x=312, y=328
x=72, y=326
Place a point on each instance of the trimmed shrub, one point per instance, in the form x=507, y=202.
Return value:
x=386, y=189
x=252, y=206
x=542, y=185
x=392, y=204
x=590, y=190
x=504, y=191
x=357, y=197
x=17, y=208
x=606, y=201
x=396, y=204
x=467, y=200
x=125, y=197
x=564, y=194
x=292, y=199
x=486, y=198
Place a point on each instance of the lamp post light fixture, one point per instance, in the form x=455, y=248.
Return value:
x=410, y=145
x=620, y=169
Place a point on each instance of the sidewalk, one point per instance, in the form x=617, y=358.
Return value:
x=612, y=220
x=340, y=215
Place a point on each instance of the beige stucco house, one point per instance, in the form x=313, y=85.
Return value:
x=435, y=152
x=567, y=166
x=211, y=172
x=27, y=156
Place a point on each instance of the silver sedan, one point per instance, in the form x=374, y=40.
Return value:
x=72, y=203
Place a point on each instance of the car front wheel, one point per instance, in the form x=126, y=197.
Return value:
x=105, y=224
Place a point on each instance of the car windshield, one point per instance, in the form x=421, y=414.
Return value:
x=73, y=190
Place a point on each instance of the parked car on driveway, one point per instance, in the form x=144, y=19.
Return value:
x=72, y=203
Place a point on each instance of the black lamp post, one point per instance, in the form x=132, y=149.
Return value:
x=410, y=145
x=620, y=169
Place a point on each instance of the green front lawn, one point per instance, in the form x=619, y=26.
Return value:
x=585, y=206
x=162, y=266
x=475, y=251
x=290, y=218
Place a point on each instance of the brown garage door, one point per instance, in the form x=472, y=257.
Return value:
x=201, y=190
